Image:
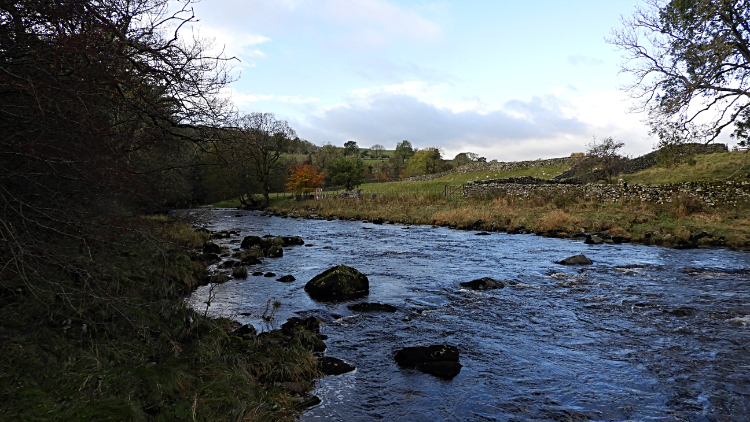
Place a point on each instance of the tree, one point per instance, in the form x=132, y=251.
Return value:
x=348, y=172
x=102, y=102
x=325, y=154
x=404, y=150
x=377, y=150
x=305, y=178
x=426, y=161
x=468, y=157
x=351, y=148
x=691, y=62
x=256, y=146
x=605, y=154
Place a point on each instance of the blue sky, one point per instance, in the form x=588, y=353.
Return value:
x=508, y=80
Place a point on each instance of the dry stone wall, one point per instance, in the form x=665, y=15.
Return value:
x=711, y=193
x=496, y=166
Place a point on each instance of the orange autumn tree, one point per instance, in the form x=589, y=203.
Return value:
x=304, y=178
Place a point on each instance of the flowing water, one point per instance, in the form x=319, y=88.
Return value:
x=643, y=334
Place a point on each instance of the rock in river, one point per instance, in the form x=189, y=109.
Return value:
x=337, y=284
x=275, y=251
x=286, y=279
x=439, y=360
x=484, y=283
x=575, y=260
x=593, y=239
x=372, y=307
x=334, y=366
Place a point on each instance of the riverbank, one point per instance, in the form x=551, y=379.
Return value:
x=682, y=223
x=126, y=347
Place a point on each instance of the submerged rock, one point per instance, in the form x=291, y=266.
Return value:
x=337, y=284
x=251, y=260
x=257, y=273
x=286, y=279
x=372, y=307
x=439, y=360
x=575, y=260
x=484, y=283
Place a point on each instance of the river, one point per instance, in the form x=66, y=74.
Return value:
x=644, y=334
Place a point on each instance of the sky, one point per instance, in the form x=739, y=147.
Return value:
x=507, y=80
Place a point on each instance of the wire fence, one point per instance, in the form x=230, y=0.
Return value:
x=340, y=192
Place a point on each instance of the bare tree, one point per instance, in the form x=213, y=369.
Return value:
x=258, y=144
x=691, y=62
x=605, y=153
x=377, y=150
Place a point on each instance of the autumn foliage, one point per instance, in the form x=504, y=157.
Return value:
x=304, y=178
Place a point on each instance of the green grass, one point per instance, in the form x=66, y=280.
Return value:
x=438, y=185
x=710, y=167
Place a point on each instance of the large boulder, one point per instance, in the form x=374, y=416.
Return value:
x=575, y=260
x=337, y=284
x=439, y=360
x=484, y=283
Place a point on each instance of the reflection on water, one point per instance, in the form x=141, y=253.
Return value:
x=645, y=333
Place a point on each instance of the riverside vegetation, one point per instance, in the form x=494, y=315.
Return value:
x=130, y=349
x=683, y=220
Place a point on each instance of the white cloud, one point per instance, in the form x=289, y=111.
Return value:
x=538, y=127
x=379, y=15
x=580, y=59
x=243, y=99
x=351, y=23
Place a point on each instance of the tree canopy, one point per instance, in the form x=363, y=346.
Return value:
x=102, y=104
x=304, y=178
x=404, y=150
x=347, y=171
x=691, y=62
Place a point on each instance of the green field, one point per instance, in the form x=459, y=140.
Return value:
x=438, y=185
x=710, y=167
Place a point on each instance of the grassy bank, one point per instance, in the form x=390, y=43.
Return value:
x=124, y=347
x=667, y=224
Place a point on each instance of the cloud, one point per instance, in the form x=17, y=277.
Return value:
x=350, y=23
x=243, y=99
x=390, y=117
x=581, y=60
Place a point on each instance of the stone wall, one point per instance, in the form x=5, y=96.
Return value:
x=643, y=162
x=496, y=166
x=711, y=193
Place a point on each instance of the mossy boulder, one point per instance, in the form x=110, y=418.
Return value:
x=250, y=241
x=275, y=251
x=338, y=284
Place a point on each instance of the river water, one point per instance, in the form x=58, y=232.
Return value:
x=643, y=334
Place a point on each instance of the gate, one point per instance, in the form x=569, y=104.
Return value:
x=453, y=191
